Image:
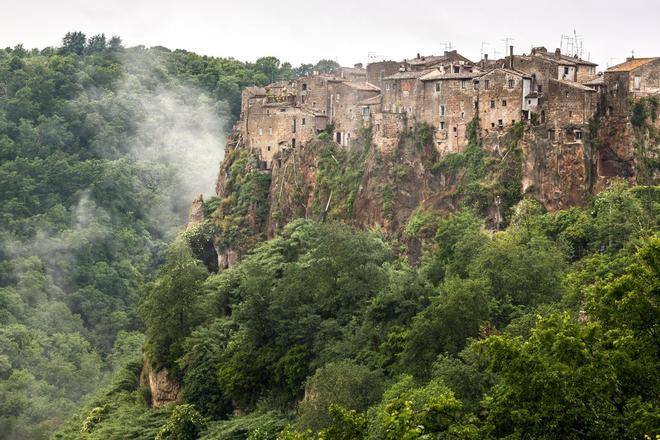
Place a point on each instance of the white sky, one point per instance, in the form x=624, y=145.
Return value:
x=346, y=30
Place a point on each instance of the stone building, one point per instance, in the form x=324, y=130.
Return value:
x=570, y=104
x=447, y=103
x=544, y=66
x=504, y=98
x=348, y=102
x=272, y=121
x=377, y=71
x=449, y=58
x=402, y=92
x=356, y=73
x=625, y=82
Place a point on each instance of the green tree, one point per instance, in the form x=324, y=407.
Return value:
x=73, y=42
x=172, y=305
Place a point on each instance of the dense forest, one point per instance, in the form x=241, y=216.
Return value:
x=102, y=148
x=546, y=329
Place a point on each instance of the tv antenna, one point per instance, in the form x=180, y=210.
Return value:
x=572, y=45
x=483, y=43
x=447, y=45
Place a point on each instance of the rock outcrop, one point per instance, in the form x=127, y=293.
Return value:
x=163, y=389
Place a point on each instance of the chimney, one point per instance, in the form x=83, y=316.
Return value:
x=558, y=53
x=358, y=66
x=510, y=57
x=485, y=57
x=417, y=55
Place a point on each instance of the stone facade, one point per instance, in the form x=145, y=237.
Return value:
x=555, y=93
x=503, y=98
x=623, y=83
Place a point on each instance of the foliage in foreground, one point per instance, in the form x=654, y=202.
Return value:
x=545, y=330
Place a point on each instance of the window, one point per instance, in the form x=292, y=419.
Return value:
x=463, y=84
x=487, y=84
x=578, y=134
x=268, y=147
x=314, y=104
x=442, y=126
x=539, y=88
x=437, y=86
x=512, y=83
x=270, y=130
x=462, y=115
x=381, y=75
x=293, y=143
x=455, y=129
x=504, y=103
x=565, y=70
x=492, y=103
x=304, y=86
x=261, y=131
x=456, y=69
x=303, y=121
x=637, y=82
x=500, y=123
x=476, y=85
x=442, y=110
x=570, y=114
x=529, y=101
x=492, y=125
x=387, y=86
x=293, y=126
x=365, y=111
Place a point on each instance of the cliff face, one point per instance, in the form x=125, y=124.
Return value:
x=382, y=186
x=162, y=388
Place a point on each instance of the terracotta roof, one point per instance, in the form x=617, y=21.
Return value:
x=437, y=75
x=579, y=61
x=362, y=86
x=598, y=81
x=631, y=64
x=573, y=84
x=410, y=74
x=564, y=61
x=375, y=100
x=509, y=71
x=426, y=59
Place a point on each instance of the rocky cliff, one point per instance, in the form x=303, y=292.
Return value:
x=383, y=186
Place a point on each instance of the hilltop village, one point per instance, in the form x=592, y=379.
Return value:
x=555, y=93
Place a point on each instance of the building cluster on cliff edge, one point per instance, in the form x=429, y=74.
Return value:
x=550, y=90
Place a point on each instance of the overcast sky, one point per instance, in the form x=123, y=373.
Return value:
x=345, y=30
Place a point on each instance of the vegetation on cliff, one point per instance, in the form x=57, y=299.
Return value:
x=100, y=147
x=546, y=329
